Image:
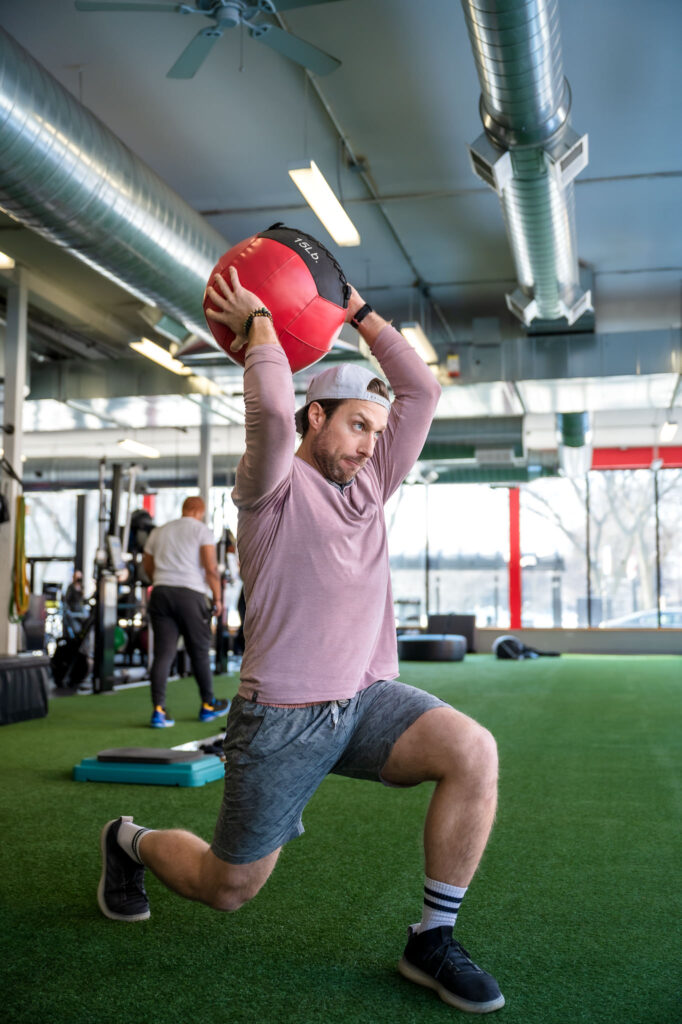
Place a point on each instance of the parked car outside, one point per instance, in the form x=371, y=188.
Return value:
x=671, y=618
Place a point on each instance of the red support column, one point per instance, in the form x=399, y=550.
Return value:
x=514, y=558
x=149, y=504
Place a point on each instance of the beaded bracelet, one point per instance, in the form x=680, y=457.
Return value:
x=261, y=311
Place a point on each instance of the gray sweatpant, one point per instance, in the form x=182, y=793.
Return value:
x=174, y=612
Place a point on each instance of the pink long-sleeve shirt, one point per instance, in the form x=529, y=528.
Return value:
x=314, y=559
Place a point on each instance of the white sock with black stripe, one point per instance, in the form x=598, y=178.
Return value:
x=128, y=838
x=441, y=904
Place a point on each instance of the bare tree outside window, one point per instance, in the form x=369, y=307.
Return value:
x=622, y=541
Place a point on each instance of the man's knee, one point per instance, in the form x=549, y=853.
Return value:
x=487, y=753
x=229, y=896
x=229, y=886
x=470, y=752
x=479, y=755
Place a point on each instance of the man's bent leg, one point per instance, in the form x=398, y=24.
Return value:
x=181, y=860
x=187, y=865
x=446, y=746
x=451, y=749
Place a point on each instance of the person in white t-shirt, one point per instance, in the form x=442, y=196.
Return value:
x=180, y=560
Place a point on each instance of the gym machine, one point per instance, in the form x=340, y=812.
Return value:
x=77, y=655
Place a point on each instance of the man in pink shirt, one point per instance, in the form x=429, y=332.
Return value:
x=318, y=690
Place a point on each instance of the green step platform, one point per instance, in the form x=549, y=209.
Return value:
x=150, y=766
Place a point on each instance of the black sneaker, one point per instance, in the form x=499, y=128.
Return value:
x=433, y=959
x=120, y=894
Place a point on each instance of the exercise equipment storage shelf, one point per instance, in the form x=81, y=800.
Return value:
x=150, y=771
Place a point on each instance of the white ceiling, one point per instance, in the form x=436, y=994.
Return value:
x=406, y=99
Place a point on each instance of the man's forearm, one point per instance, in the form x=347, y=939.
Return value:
x=213, y=580
x=371, y=325
x=261, y=332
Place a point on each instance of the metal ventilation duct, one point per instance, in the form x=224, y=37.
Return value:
x=528, y=153
x=497, y=437
x=66, y=176
x=69, y=474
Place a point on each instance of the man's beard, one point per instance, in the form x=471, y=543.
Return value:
x=330, y=467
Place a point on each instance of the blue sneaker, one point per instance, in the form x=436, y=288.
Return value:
x=161, y=719
x=207, y=712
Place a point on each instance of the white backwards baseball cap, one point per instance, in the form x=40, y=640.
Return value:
x=343, y=381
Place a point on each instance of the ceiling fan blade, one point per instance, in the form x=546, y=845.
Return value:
x=289, y=5
x=295, y=49
x=194, y=55
x=85, y=5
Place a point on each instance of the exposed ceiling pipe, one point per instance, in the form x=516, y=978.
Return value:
x=574, y=443
x=66, y=176
x=495, y=474
x=83, y=474
x=528, y=152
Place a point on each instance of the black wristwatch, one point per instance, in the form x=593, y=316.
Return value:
x=360, y=315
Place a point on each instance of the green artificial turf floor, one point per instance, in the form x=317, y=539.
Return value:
x=575, y=908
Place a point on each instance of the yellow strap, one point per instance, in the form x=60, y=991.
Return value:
x=21, y=594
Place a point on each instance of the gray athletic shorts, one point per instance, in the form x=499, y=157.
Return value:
x=277, y=757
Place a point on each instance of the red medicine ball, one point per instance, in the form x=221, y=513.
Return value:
x=301, y=284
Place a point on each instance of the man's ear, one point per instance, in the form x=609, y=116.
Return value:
x=316, y=415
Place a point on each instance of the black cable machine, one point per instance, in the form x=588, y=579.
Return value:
x=76, y=656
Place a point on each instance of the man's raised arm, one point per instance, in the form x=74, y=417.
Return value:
x=415, y=388
x=268, y=389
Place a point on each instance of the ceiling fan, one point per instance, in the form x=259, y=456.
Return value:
x=227, y=14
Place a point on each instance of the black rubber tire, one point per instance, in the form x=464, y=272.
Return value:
x=429, y=647
x=69, y=667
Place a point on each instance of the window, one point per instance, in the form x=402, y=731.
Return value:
x=553, y=558
x=50, y=532
x=467, y=526
x=622, y=544
x=669, y=531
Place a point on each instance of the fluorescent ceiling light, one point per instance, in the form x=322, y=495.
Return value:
x=204, y=385
x=668, y=431
x=313, y=186
x=414, y=333
x=6, y=262
x=139, y=449
x=160, y=355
